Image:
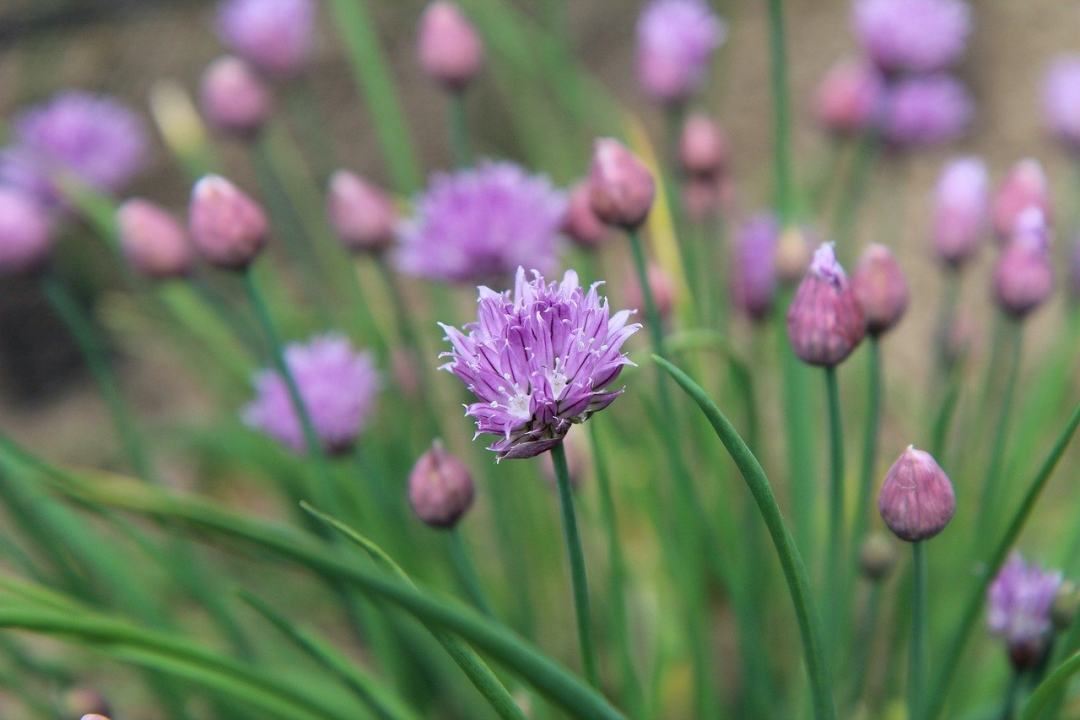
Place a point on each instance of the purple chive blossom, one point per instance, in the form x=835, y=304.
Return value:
x=928, y=110
x=1019, y=603
x=1061, y=99
x=848, y=100
x=538, y=361
x=93, y=137
x=913, y=35
x=961, y=210
x=479, y=225
x=675, y=42
x=753, y=280
x=337, y=384
x=275, y=36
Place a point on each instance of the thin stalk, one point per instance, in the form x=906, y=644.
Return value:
x=781, y=95
x=577, y=564
x=870, y=446
x=864, y=644
x=466, y=573
x=917, y=653
x=834, y=561
x=460, y=140
x=847, y=208
x=1012, y=694
x=800, y=437
x=674, y=118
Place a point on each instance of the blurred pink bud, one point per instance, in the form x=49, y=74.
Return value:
x=84, y=702
x=440, y=488
x=1024, y=273
x=663, y=291
x=227, y=227
x=1026, y=185
x=881, y=289
x=849, y=98
x=233, y=97
x=581, y=224
x=361, y=214
x=824, y=322
x=450, y=50
x=753, y=278
x=1061, y=100
x=961, y=209
x=153, y=241
x=275, y=36
x=25, y=233
x=703, y=147
x=916, y=500
x=621, y=188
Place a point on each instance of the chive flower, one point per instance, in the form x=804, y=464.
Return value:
x=538, y=360
x=361, y=214
x=824, y=322
x=1025, y=186
x=1061, y=100
x=848, y=100
x=276, y=36
x=753, y=266
x=881, y=289
x=337, y=383
x=228, y=228
x=1024, y=271
x=26, y=239
x=440, y=488
x=675, y=43
x=234, y=98
x=917, y=499
x=1019, y=604
x=154, y=242
x=912, y=35
x=480, y=224
x=449, y=49
x=926, y=110
x=961, y=210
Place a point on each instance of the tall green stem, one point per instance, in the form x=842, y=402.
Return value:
x=851, y=199
x=781, y=92
x=466, y=572
x=577, y=564
x=989, y=502
x=917, y=656
x=870, y=446
x=834, y=563
x=460, y=140
x=1012, y=694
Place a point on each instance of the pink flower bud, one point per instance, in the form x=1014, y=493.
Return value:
x=1024, y=273
x=85, y=702
x=153, y=241
x=361, y=214
x=621, y=188
x=1025, y=186
x=581, y=224
x=916, y=500
x=25, y=233
x=961, y=210
x=753, y=279
x=881, y=289
x=663, y=291
x=440, y=488
x=849, y=98
x=233, y=98
x=227, y=226
x=450, y=50
x=825, y=322
x=703, y=147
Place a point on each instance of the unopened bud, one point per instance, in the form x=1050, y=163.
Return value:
x=227, y=226
x=1025, y=186
x=825, y=323
x=881, y=289
x=361, y=214
x=703, y=147
x=440, y=488
x=234, y=98
x=153, y=241
x=581, y=224
x=877, y=557
x=917, y=499
x=450, y=50
x=621, y=188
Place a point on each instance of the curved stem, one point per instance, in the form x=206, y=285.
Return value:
x=577, y=564
x=466, y=572
x=835, y=585
x=870, y=446
x=790, y=560
x=917, y=657
x=460, y=142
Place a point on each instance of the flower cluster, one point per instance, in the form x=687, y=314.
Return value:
x=538, y=360
x=276, y=36
x=675, y=41
x=1019, y=608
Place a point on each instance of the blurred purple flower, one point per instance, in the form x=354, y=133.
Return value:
x=25, y=233
x=912, y=35
x=848, y=100
x=1061, y=99
x=275, y=36
x=961, y=209
x=480, y=224
x=94, y=137
x=675, y=42
x=927, y=110
x=538, y=361
x=338, y=387
x=1019, y=602
x=753, y=280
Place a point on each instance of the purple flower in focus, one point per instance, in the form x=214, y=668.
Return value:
x=926, y=110
x=675, y=42
x=912, y=35
x=1061, y=99
x=94, y=137
x=538, y=361
x=338, y=387
x=480, y=224
x=273, y=35
x=753, y=280
x=1019, y=603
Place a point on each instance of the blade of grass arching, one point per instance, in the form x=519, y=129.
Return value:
x=951, y=659
x=515, y=653
x=382, y=702
x=372, y=74
x=790, y=559
x=471, y=664
x=1050, y=688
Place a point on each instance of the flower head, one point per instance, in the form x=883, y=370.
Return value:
x=93, y=137
x=825, y=322
x=1025, y=186
x=25, y=233
x=675, y=42
x=703, y=147
x=753, y=267
x=961, y=209
x=538, y=360
x=276, y=36
x=440, y=488
x=849, y=98
x=337, y=384
x=1061, y=99
x=233, y=97
x=153, y=241
x=449, y=48
x=621, y=187
x=912, y=35
x=480, y=224
x=926, y=110
x=228, y=228
x=1024, y=271
x=1019, y=603
x=917, y=499
x=362, y=215
x=881, y=289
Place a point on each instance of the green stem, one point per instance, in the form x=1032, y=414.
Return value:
x=989, y=502
x=652, y=315
x=460, y=140
x=466, y=573
x=674, y=118
x=1012, y=694
x=865, y=644
x=790, y=560
x=851, y=199
x=577, y=564
x=870, y=446
x=781, y=92
x=835, y=586
x=917, y=653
